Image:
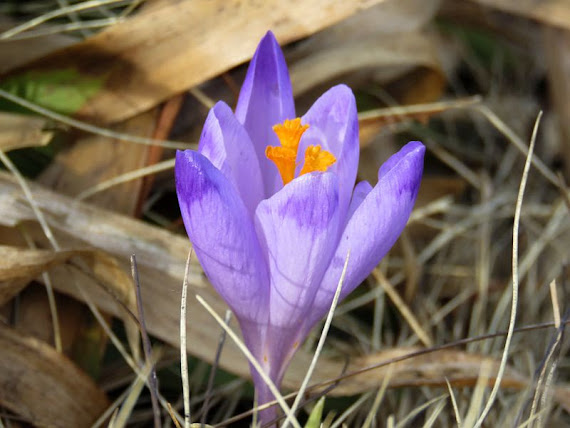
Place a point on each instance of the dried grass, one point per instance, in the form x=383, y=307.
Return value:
x=446, y=287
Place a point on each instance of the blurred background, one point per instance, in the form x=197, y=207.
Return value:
x=96, y=95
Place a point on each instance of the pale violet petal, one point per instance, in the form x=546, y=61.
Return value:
x=227, y=145
x=374, y=227
x=223, y=235
x=333, y=124
x=265, y=100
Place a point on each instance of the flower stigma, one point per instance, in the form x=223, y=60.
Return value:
x=285, y=156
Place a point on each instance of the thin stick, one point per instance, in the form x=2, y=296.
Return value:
x=73, y=17
x=545, y=376
x=146, y=344
x=104, y=417
x=204, y=99
x=66, y=28
x=410, y=416
x=91, y=128
x=132, y=397
x=402, y=307
x=50, y=295
x=517, y=142
x=434, y=414
x=515, y=268
x=320, y=345
x=450, y=160
x=173, y=416
x=454, y=403
x=440, y=106
x=55, y=14
x=379, y=397
x=183, y=350
x=132, y=6
x=351, y=409
x=123, y=178
x=251, y=359
x=221, y=342
x=555, y=305
x=33, y=204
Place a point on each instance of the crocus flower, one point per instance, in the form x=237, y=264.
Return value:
x=270, y=204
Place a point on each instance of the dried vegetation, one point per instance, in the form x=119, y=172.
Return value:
x=95, y=95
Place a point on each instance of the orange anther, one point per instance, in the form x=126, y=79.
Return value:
x=285, y=156
x=317, y=160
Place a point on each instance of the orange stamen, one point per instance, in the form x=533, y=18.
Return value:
x=285, y=156
x=290, y=132
x=317, y=160
x=284, y=159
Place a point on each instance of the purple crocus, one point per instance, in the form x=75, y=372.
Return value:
x=270, y=204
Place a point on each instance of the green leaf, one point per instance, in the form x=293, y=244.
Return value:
x=64, y=91
x=316, y=415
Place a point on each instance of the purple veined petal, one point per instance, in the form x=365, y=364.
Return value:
x=297, y=229
x=333, y=124
x=225, y=142
x=374, y=227
x=266, y=99
x=361, y=190
x=223, y=236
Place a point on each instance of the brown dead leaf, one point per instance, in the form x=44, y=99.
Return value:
x=385, y=44
x=392, y=55
x=171, y=46
x=18, y=131
x=383, y=41
x=549, y=12
x=459, y=367
x=9, y=289
x=43, y=386
x=22, y=265
x=26, y=264
x=94, y=158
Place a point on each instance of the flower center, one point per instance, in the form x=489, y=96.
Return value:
x=285, y=156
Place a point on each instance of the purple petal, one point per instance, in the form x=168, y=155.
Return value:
x=223, y=236
x=266, y=99
x=333, y=124
x=225, y=142
x=297, y=228
x=361, y=190
x=375, y=225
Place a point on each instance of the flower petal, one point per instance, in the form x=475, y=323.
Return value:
x=374, y=227
x=360, y=193
x=333, y=124
x=225, y=142
x=295, y=227
x=223, y=236
x=266, y=99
